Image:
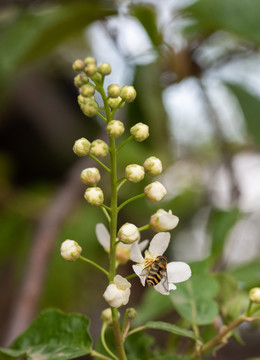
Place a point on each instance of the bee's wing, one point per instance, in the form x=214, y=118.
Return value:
x=143, y=274
x=163, y=286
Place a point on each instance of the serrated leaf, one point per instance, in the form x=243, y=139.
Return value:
x=161, y=325
x=250, y=105
x=54, y=335
x=193, y=299
x=238, y=17
x=248, y=275
x=220, y=224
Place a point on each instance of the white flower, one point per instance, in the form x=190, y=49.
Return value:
x=163, y=220
x=118, y=293
x=134, y=173
x=128, y=233
x=153, y=166
x=176, y=271
x=122, y=250
x=155, y=191
x=70, y=250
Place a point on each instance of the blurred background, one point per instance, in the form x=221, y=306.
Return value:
x=195, y=66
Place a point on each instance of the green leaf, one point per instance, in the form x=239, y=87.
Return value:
x=220, y=224
x=250, y=105
x=238, y=17
x=229, y=298
x=193, y=299
x=248, y=275
x=140, y=346
x=54, y=335
x=173, y=357
x=146, y=14
x=161, y=325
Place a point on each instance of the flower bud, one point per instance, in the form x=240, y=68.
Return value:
x=70, y=250
x=87, y=90
x=122, y=253
x=153, y=166
x=90, y=176
x=99, y=148
x=134, y=173
x=163, y=221
x=78, y=65
x=115, y=128
x=113, y=91
x=97, y=77
x=90, y=60
x=90, y=108
x=80, y=80
x=91, y=69
x=131, y=313
x=118, y=293
x=128, y=93
x=81, y=147
x=104, y=69
x=94, y=196
x=140, y=132
x=155, y=191
x=114, y=102
x=128, y=233
x=254, y=295
x=106, y=316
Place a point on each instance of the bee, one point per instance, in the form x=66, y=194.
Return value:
x=156, y=272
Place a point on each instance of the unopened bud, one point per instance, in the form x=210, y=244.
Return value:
x=254, y=295
x=163, y=221
x=106, y=316
x=131, y=313
x=94, y=196
x=80, y=80
x=114, y=102
x=78, y=65
x=90, y=108
x=104, y=69
x=87, y=90
x=153, y=166
x=81, y=147
x=91, y=69
x=90, y=60
x=70, y=250
x=128, y=93
x=97, y=77
x=128, y=233
x=155, y=191
x=99, y=148
x=134, y=173
x=113, y=91
x=115, y=128
x=90, y=176
x=140, y=132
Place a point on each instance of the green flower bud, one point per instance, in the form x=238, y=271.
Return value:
x=99, y=148
x=90, y=60
x=87, y=90
x=113, y=90
x=81, y=147
x=128, y=93
x=115, y=128
x=106, y=316
x=134, y=173
x=91, y=69
x=70, y=250
x=131, y=313
x=153, y=166
x=254, y=295
x=90, y=108
x=94, y=196
x=140, y=132
x=104, y=69
x=78, y=65
x=90, y=176
x=97, y=77
x=80, y=80
x=114, y=102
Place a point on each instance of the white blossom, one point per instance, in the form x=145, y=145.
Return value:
x=163, y=220
x=118, y=293
x=176, y=271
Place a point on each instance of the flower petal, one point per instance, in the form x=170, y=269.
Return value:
x=159, y=243
x=135, y=253
x=178, y=271
x=103, y=236
x=161, y=288
x=121, y=282
x=172, y=286
x=142, y=245
x=138, y=270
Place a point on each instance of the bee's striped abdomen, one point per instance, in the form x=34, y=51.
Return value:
x=156, y=271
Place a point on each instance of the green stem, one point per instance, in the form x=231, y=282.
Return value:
x=121, y=184
x=106, y=214
x=106, y=207
x=102, y=117
x=130, y=200
x=140, y=328
x=103, y=340
x=124, y=143
x=131, y=276
x=94, y=264
x=100, y=356
x=116, y=108
x=99, y=162
x=145, y=227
